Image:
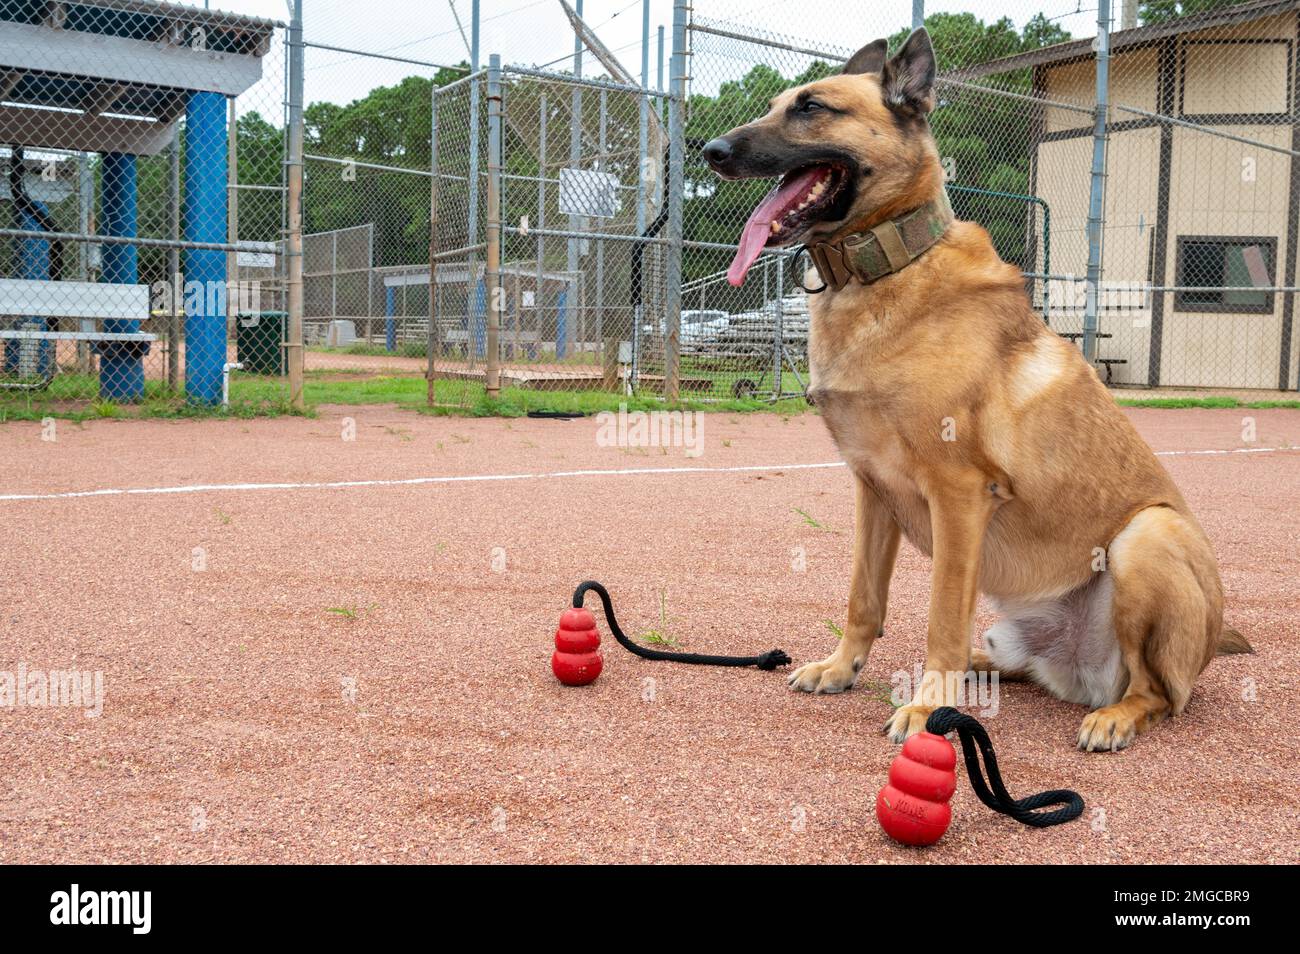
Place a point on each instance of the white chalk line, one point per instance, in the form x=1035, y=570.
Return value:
x=488, y=478
x=417, y=481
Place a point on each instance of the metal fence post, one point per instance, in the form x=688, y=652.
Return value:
x=293, y=339
x=232, y=200
x=676, y=151
x=918, y=14
x=1097, y=185
x=334, y=278
x=431, y=333
x=173, y=261
x=778, y=329
x=543, y=108
x=471, y=260
x=602, y=139
x=494, y=296
x=566, y=336
x=643, y=119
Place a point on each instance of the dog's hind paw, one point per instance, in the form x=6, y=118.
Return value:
x=1107, y=730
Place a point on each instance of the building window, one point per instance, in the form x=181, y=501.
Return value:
x=1213, y=264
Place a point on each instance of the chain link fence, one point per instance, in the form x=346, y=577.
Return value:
x=538, y=233
x=1189, y=177
x=142, y=183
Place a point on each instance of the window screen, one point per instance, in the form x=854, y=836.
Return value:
x=1210, y=266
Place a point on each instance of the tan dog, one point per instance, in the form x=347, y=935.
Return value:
x=970, y=426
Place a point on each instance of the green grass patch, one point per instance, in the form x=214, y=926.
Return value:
x=810, y=520
x=75, y=397
x=1209, y=401
x=349, y=610
x=660, y=636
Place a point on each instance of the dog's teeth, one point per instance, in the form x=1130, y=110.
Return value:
x=776, y=227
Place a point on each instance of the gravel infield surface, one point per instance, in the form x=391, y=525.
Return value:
x=362, y=673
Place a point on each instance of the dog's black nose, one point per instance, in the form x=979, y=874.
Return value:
x=717, y=151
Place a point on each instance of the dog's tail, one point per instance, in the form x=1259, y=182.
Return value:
x=1231, y=642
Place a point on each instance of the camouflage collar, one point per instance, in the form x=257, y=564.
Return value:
x=889, y=247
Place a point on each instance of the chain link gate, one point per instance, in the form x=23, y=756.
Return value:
x=578, y=177
x=142, y=181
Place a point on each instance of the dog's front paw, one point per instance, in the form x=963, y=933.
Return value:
x=828, y=676
x=907, y=720
x=1107, y=730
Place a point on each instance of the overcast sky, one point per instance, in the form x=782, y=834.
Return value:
x=535, y=32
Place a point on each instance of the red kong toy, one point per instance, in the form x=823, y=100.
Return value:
x=577, y=659
x=913, y=807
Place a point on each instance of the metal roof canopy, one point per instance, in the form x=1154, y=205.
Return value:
x=115, y=75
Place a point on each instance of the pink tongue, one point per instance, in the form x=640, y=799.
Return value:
x=759, y=227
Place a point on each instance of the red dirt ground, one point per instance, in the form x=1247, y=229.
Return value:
x=227, y=733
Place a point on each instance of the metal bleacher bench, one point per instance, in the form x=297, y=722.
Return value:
x=21, y=299
x=1108, y=363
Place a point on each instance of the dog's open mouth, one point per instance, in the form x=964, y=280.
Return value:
x=798, y=201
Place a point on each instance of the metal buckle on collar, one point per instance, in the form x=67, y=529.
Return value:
x=832, y=265
x=798, y=280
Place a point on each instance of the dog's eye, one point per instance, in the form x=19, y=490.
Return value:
x=811, y=106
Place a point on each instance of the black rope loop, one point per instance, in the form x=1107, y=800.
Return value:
x=766, y=661
x=1025, y=810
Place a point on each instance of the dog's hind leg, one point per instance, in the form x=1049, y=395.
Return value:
x=1168, y=612
x=875, y=547
x=980, y=661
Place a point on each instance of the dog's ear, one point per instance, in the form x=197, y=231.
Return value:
x=869, y=59
x=908, y=78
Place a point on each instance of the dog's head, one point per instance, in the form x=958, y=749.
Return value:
x=851, y=150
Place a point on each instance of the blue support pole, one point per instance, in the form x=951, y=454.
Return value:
x=33, y=265
x=390, y=322
x=121, y=364
x=204, y=220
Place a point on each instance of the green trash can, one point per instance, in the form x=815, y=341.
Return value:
x=258, y=341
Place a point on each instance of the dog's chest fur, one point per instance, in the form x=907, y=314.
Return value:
x=854, y=383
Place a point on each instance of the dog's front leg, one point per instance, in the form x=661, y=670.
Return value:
x=959, y=515
x=875, y=547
